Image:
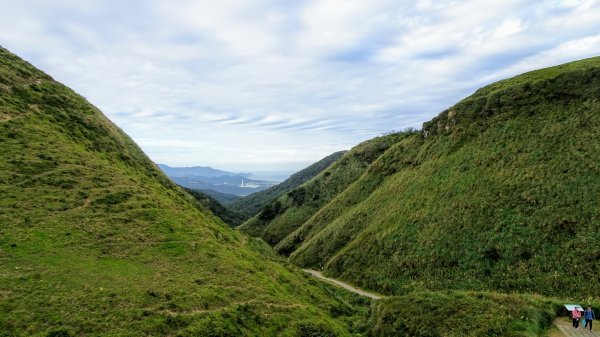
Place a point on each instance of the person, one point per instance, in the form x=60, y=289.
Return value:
x=589, y=317
x=576, y=316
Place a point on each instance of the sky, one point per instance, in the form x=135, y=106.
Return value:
x=272, y=86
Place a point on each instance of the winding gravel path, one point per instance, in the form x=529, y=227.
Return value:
x=344, y=285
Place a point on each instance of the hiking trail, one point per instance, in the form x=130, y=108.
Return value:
x=344, y=285
x=567, y=329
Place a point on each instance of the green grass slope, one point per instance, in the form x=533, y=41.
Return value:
x=283, y=216
x=323, y=218
x=462, y=314
x=222, y=198
x=252, y=204
x=96, y=241
x=229, y=217
x=499, y=192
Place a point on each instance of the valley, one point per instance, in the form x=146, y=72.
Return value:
x=482, y=221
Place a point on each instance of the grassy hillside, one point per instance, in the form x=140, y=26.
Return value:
x=499, y=192
x=252, y=204
x=462, y=314
x=353, y=193
x=229, y=217
x=222, y=198
x=283, y=216
x=96, y=241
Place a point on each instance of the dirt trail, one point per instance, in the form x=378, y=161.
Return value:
x=343, y=285
x=567, y=329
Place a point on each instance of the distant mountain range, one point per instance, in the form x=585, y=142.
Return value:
x=202, y=171
x=224, y=182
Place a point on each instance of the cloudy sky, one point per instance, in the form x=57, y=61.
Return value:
x=275, y=85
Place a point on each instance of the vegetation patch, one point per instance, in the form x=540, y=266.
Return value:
x=496, y=193
x=95, y=240
x=462, y=314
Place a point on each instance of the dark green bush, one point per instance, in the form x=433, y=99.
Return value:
x=60, y=332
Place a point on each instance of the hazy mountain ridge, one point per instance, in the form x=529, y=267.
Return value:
x=252, y=204
x=201, y=171
x=207, y=178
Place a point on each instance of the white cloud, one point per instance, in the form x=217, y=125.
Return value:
x=508, y=28
x=329, y=26
x=238, y=84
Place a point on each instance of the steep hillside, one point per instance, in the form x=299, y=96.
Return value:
x=229, y=217
x=95, y=240
x=499, y=192
x=223, y=198
x=252, y=204
x=283, y=216
x=462, y=314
